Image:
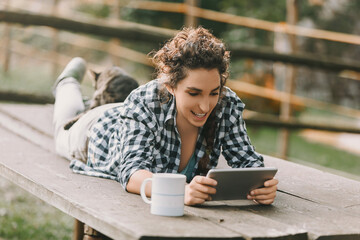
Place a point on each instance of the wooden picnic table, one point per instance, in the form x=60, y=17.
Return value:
x=310, y=204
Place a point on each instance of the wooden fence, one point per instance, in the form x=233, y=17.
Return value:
x=123, y=30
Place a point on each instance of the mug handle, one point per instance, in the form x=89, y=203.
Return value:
x=142, y=190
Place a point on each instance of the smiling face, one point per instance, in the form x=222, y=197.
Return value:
x=196, y=96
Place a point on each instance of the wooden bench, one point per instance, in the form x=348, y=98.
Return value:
x=310, y=204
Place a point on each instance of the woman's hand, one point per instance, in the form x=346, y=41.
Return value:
x=265, y=195
x=199, y=190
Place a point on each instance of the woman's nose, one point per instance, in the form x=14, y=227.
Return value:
x=204, y=105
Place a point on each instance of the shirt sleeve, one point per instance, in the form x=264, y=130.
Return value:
x=134, y=140
x=236, y=146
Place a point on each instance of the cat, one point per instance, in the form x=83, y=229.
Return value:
x=111, y=86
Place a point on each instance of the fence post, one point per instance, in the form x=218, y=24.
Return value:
x=115, y=13
x=190, y=19
x=55, y=42
x=7, y=42
x=289, y=80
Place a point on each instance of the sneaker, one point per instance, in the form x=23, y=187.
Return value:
x=76, y=68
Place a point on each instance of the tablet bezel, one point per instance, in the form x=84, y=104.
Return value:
x=236, y=183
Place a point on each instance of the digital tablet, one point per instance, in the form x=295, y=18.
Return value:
x=236, y=183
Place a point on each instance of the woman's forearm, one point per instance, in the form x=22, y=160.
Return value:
x=136, y=180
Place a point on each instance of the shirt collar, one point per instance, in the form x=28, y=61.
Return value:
x=219, y=109
x=170, y=110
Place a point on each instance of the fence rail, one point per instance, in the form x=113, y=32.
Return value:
x=139, y=32
x=246, y=21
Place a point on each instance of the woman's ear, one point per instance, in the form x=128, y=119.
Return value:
x=170, y=89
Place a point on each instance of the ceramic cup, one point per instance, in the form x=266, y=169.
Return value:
x=167, y=194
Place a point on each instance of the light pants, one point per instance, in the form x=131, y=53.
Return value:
x=72, y=143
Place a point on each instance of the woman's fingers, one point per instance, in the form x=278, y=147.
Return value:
x=263, y=191
x=193, y=196
x=266, y=202
x=199, y=190
x=271, y=182
x=203, y=185
x=262, y=197
x=265, y=195
x=204, y=181
x=197, y=194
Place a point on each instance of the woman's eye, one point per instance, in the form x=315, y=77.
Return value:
x=214, y=94
x=193, y=94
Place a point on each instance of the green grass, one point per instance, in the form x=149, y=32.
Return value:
x=35, y=82
x=303, y=151
x=41, y=81
x=24, y=217
x=27, y=81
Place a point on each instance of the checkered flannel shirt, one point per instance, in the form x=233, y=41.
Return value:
x=142, y=134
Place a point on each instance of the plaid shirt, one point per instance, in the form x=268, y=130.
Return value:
x=142, y=134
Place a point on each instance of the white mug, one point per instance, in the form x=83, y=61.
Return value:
x=167, y=194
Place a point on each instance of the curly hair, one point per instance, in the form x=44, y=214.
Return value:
x=193, y=48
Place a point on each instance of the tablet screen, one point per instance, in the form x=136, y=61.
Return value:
x=236, y=183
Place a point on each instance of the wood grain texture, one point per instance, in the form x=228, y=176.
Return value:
x=317, y=186
x=36, y=116
x=320, y=221
x=310, y=204
x=100, y=203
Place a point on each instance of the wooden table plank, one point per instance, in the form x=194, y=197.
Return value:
x=239, y=216
x=325, y=205
x=101, y=203
x=288, y=213
x=37, y=116
x=235, y=229
x=317, y=185
x=320, y=221
x=30, y=122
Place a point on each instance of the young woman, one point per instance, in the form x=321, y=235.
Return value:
x=179, y=123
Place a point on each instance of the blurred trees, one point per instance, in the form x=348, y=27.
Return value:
x=340, y=16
